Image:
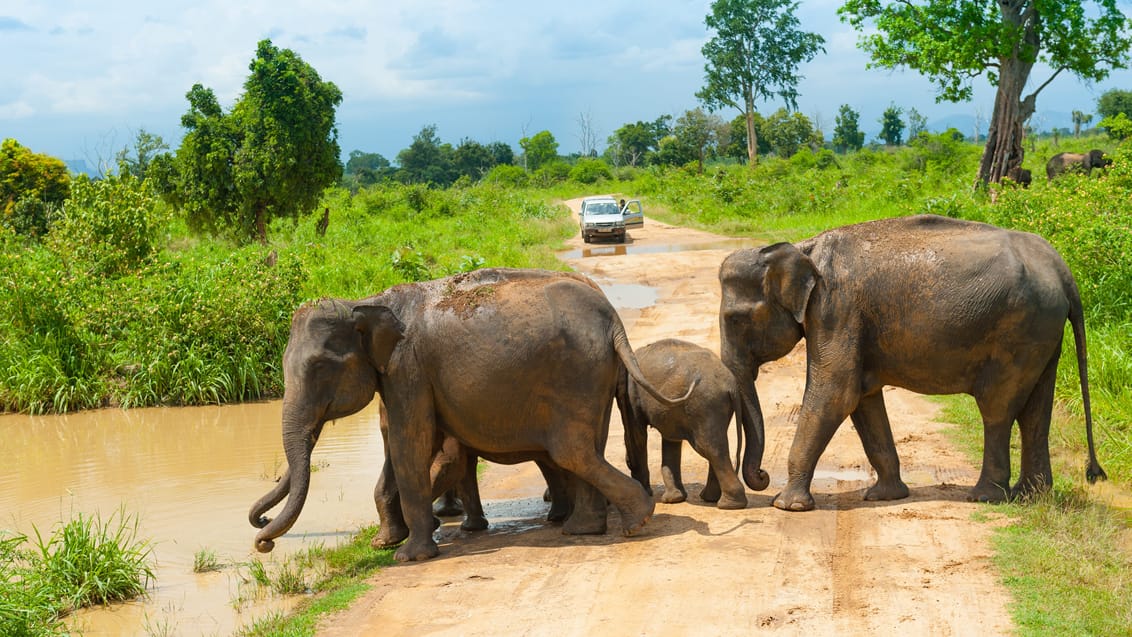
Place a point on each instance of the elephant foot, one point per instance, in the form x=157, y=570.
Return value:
x=474, y=523
x=732, y=501
x=416, y=550
x=448, y=508
x=558, y=512
x=794, y=500
x=889, y=490
x=634, y=519
x=673, y=496
x=989, y=492
x=711, y=492
x=584, y=525
x=389, y=536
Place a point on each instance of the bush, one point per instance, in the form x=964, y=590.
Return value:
x=507, y=175
x=590, y=171
x=108, y=226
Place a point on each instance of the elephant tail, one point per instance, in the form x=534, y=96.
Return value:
x=629, y=360
x=1094, y=471
x=737, y=407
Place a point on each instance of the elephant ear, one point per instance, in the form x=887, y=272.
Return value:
x=381, y=330
x=790, y=278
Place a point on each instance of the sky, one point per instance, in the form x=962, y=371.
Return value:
x=80, y=79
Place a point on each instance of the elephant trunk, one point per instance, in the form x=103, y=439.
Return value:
x=273, y=497
x=298, y=442
x=751, y=419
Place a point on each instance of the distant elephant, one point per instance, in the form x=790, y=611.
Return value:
x=702, y=420
x=1076, y=162
x=1022, y=176
x=928, y=303
x=521, y=364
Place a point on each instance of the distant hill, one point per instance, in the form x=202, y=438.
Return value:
x=77, y=166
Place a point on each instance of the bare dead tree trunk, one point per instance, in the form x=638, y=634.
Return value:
x=752, y=136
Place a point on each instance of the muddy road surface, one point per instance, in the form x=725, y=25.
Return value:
x=918, y=566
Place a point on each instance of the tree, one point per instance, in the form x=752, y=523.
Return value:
x=146, y=148
x=364, y=169
x=847, y=134
x=587, y=134
x=955, y=41
x=697, y=131
x=891, y=126
x=754, y=55
x=271, y=156
x=31, y=186
x=540, y=149
x=1114, y=101
x=427, y=160
x=1079, y=119
x=472, y=159
x=501, y=153
x=787, y=132
x=917, y=124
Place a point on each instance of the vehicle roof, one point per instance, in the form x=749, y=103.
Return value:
x=599, y=198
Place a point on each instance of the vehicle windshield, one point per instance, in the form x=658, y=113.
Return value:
x=602, y=208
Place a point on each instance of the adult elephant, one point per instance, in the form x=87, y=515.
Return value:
x=931, y=304
x=515, y=363
x=1076, y=162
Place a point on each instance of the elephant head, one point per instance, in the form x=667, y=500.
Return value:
x=1076, y=162
x=332, y=367
x=764, y=298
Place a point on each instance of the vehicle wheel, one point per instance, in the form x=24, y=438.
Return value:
x=586, y=238
x=621, y=239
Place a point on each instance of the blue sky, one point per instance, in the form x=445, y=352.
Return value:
x=79, y=79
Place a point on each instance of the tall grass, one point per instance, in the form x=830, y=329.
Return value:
x=84, y=561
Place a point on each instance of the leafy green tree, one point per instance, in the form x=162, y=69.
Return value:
x=539, y=149
x=847, y=134
x=1119, y=126
x=891, y=126
x=108, y=226
x=271, y=156
x=590, y=170
x=364, y=169
x=955, y=41
x=697, y=131
x=754, y=55
x=1115, y=101
x=632, y=143
x=32, y=185
x=427, y=160
x=136, y=161
x=1080, y=119
x=501, y=153
x=787, y=132
x=472, y=159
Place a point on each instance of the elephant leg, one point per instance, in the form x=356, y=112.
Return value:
x=670, y=456
x=870, y=419
x=636, y=445
x=588, y=512
x=386, y=498
x=818, y=419
x=447, y=470
x=722, y=484
x=557, y=492
x=448, y=505
x=1036, y=474
x=630, y=498
x=411, y=433
x=469, y=489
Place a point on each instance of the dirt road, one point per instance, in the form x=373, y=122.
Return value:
x=918, y=566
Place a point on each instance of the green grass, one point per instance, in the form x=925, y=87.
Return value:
x=1062, y=556
x=345, y=569
x=85, y=561
x=206, y=561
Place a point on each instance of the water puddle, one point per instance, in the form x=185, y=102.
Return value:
x=844, y=474
x=189, y=474
x=657, y=248
x=629, y=295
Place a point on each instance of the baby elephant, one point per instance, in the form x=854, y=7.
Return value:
x=702, y=420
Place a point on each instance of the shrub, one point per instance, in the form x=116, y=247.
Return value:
x=590, y=171
x=507, y=175
x=31, y=185
x=108, y=226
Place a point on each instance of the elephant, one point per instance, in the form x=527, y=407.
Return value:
x=520, y=364
x=928, y=303
x=1076, y=162
x=702, y=420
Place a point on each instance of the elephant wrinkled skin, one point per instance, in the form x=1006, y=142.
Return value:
x=520, y=364
x=702, y=420
x=931, y=304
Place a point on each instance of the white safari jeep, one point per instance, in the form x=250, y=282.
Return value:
x=602, y=217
